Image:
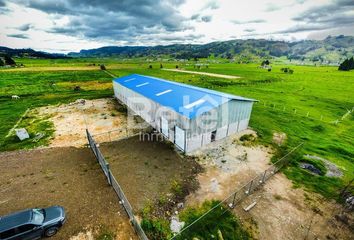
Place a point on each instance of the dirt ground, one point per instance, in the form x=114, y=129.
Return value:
x=281, y=212
x=227, y=166
x=203, y=73
x=146, y=169
x=70, y=120
x=69, y=177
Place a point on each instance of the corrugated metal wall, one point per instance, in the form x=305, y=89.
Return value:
x=232, y=116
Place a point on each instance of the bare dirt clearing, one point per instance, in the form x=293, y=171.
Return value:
x=228, y=165
x=146, y=169
x=71, y=120
x=69, y=177
x=203, y=73
x=283, y=212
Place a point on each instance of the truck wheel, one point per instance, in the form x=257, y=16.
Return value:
x=51, y=231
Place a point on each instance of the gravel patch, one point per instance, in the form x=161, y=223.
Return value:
x=332, y=169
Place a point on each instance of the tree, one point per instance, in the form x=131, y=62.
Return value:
x=161, y=65
x=150, y=66
x=344, y=66
x=266, y=62
x=1, y=62
x=9, y=60
x=102, y=67
x=351, y=63
x=347, y=64
x=228, y=55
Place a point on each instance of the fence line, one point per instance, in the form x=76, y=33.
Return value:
x=117, y=188
x=305, y=114
x=236, y=197
x=117, y=134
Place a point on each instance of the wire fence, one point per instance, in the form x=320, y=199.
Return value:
x=306, y=114
x=117, y=134
x=236, y=197
x=117, y=188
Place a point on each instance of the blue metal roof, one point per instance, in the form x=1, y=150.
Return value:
x=187, y=100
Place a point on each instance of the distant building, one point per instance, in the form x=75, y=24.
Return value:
x=188, y=116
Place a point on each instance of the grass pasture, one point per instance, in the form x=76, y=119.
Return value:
x=303, y=104
x=41, y=88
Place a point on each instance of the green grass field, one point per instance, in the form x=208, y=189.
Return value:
x=303, y=105
x=39, y=89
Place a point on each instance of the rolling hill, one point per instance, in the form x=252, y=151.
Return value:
x=331, y=50
x=30, y=53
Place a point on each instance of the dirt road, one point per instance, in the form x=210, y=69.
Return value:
x=202, y=73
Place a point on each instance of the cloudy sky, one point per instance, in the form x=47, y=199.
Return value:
x=71, y=25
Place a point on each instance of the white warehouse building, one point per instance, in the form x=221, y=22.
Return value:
x=188, y=116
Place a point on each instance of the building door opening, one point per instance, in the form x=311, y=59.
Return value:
x=213, y=136
x=180, y=138
x=164, y=127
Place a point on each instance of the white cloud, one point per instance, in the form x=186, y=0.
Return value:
x=53, y=26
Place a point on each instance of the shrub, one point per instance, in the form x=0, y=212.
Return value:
x=219, y=222
x=176, y=188
x=266, y=62
x=287, y=70
x=246, y=137
x=156, y=228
